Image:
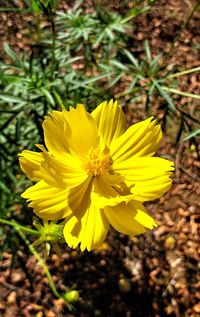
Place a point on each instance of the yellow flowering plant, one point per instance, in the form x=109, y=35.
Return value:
x=94, y=173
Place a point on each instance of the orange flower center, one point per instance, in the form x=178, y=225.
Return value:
x=96, y=162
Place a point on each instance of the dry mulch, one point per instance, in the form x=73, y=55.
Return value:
x=154, y=275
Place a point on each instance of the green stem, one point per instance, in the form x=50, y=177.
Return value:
x=42, y=263
x=184, y=25
x=16, y=225
x=185, y=72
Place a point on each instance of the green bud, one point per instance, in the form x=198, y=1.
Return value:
x=192, y=148
x=49, y=232
x=71, y=296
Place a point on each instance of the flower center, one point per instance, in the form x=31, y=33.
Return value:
x=96, y=162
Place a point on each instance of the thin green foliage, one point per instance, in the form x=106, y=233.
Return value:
x=61, y=70
x=192, y=134
x=152, y=80
x=79, y=57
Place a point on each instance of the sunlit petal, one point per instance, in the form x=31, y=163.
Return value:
x=89, y=231
x=128, y=218
x=79, y=197
x=141, y=139
x=148, y=177
x=104, y=194
x=48, y=202
x=65, y=172
x=110, y=120
x=30, y=163
x=56, y=133
x=84, y=134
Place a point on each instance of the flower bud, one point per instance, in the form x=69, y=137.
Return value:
x=52, y=232
x=71, y=296
x=49, y=232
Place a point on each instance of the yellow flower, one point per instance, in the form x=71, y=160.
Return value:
x=93, y=173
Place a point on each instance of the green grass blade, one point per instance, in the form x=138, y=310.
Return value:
x=182, y=93
x=148, y=52
x=185, y=72
x=192, y=134
x=11, y=99
x=166, y=96
x=119, y=65
x=132, y=59
x=47, y=94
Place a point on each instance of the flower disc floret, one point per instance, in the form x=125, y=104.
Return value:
x=96, y=163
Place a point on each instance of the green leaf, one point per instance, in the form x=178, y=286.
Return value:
x=47, y=94
x=11, y=176
x=166, y=96
x=59, y=100
x=182, y=93
x=12, y=99
x=133, y=84
x=11, y=53
x=115, y=80
x=35, y=6
x=185, y=72
x=6, y=9
x=148, y=52
x=154, y=65
x=78, y=84
x=192, y=134
x=132, y=59
x=119, y=65
x=135, y=12
x=4, y=188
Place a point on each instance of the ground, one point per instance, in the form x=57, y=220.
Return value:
x=154, y=275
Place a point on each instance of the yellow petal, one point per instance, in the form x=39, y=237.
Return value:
x=79, y=197
x=103, y=194
x=110, y=120
x=142, y=216
x=48, y=202
x=148, y=177
x=56, y=133
x=83, y=127
x=141, y=139
x=30, y=163
x=64, y=172
x=90, y=230
x=123, y=218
